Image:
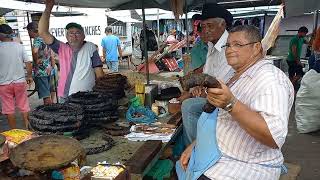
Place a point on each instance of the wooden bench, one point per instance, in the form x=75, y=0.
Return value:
x=148, y=154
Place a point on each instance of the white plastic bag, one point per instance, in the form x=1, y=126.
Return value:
x=308, y=103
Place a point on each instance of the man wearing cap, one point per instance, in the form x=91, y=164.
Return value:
x=43, y=63
x=79, y=60
x=215, y=21
x=111, y=49
x=13, y=86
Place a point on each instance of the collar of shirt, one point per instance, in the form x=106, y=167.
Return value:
x=222, y=41
x=38, y=38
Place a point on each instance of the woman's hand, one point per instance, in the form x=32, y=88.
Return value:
x=220, y=97
x=185, y=156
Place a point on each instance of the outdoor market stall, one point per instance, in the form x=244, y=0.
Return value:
x=104, y=137
x=137, y=156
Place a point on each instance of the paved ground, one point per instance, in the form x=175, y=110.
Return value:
x=300, y=149
x=303, y=150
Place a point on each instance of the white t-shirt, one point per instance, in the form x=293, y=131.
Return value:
x=12, y=59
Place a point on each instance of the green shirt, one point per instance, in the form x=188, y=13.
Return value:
x=298, y=42
x=198, y=54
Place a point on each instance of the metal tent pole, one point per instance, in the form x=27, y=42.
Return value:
x=315, y=18
x=264, y=23
x=145, y=42
x=187, y=27
x=158, y=27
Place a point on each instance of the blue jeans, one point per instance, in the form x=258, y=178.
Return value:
x=191, y=110
x=43, y=86
x=113, y=66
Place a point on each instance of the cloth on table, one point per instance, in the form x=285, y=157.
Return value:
x=206, y=152
x=156, y=131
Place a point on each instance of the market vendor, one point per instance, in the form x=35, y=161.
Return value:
x=79, y=60
x=254, y=108
x=215, y=20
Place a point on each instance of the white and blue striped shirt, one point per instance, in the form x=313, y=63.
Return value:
x=266, y=89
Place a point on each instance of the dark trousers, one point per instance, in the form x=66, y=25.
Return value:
x=295, y=69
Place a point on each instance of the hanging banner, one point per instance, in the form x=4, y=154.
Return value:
x=273, y=31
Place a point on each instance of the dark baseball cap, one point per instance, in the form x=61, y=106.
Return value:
x=33, y=26
x=5, y=29
x=214, y=10
x=74, y=25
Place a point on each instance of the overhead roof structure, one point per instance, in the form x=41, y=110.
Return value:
x=292, y=7
x=163, y=4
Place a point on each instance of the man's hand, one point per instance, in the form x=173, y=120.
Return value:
x=99, y=72
x=49, y=4
x=103, y=59
x=185, y=95
x=29, y=80
x=43, y=25
x=185, y=156
x=219, y=97
x=298, y=62
x=196, y=91
x=39, y=61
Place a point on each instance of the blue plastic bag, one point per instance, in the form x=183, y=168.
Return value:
x=148, y=116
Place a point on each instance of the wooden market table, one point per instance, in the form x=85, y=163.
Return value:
x=139, y=157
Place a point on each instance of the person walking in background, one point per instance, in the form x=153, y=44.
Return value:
x=111, y=50
x=13, y=87
x=43, y=64
x=293, y=59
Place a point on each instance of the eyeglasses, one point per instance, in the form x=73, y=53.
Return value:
x=237, y=45
x=74, y=33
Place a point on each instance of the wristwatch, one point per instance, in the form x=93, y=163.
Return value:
x=230, y=105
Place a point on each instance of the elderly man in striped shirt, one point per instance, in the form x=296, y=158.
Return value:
x=254, y=108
